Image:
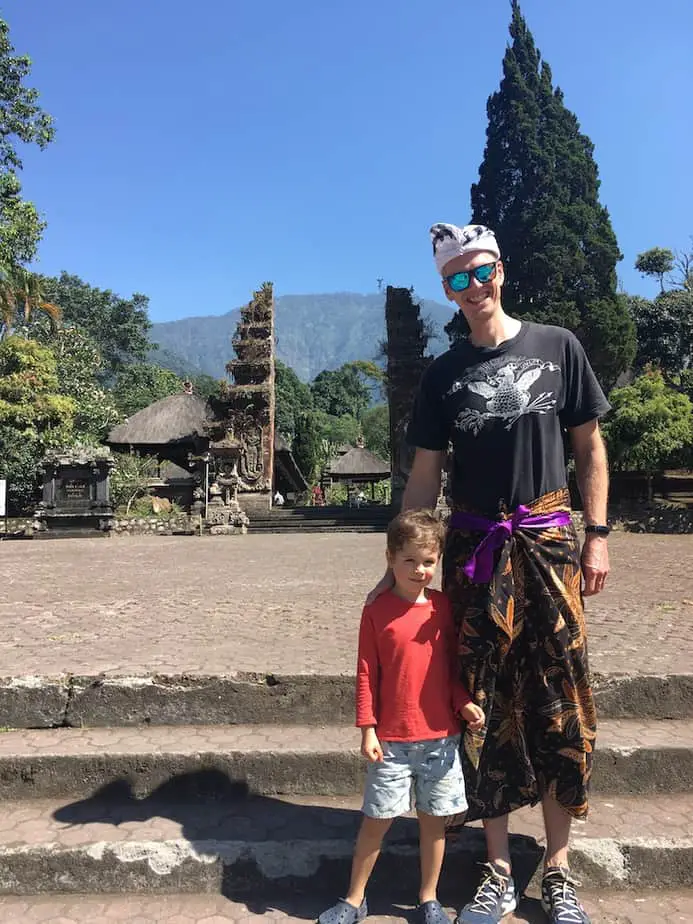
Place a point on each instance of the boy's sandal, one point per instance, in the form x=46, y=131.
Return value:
x=431, y=913
x=344, y=913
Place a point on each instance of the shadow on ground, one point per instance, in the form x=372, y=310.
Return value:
x=210, y=807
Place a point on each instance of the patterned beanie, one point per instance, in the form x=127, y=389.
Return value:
x=449, y=242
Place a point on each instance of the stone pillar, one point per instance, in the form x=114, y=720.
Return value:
x=406, y=344
x=250, y=401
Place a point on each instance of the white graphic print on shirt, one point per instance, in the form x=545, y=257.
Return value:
x=504, y=384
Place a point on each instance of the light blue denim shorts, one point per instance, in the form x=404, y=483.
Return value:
x=434, y=769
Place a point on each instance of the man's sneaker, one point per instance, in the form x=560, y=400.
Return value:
x=495, y=897
x=559, y=899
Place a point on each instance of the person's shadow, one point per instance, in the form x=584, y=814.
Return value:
x=272, y=854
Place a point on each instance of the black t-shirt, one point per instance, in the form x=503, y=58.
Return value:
x=505, y=410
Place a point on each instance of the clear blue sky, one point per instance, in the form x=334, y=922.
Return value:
x=205, y=147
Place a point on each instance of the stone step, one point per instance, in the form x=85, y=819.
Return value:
x=664, y=907
x=336, y=526
x=255, y=698
x=115, y=843
x=632, y=758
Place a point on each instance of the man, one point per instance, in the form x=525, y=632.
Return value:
x=504, y=398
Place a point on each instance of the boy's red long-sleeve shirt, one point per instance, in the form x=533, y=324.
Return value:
x=406, y=680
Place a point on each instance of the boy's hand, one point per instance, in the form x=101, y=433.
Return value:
x=371, y=747
x=386, y=582
x=473, y=716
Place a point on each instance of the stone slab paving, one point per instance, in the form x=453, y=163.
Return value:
x=604, y=908
x=64, y=823
x=286, y=604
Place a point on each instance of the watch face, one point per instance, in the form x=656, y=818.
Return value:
x=599, y=530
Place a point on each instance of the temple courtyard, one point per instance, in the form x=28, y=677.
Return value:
x=284, y=604
x=177, y=734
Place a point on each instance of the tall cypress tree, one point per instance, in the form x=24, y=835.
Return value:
x=539, y=190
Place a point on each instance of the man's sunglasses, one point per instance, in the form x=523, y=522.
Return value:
x=458, y=282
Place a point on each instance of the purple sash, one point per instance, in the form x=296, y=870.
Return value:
x=479, y=568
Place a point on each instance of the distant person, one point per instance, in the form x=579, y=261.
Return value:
x=410, y=726
x=278, y=499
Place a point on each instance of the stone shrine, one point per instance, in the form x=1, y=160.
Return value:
x=75, y=493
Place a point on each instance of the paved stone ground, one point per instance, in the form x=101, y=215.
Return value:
x=663, y=907
x=286, y=604
x=67, y=823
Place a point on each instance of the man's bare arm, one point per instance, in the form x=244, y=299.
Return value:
x=592, y=471
x=423, y=485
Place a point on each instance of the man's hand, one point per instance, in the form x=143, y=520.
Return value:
x=371, y=747
x=473, y=716
x=595, y=564
x=386, y=582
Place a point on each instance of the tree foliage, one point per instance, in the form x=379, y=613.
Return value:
x=131, y=478
x=140, y=384
x=342, y=391
x=656, y=262
x=118, y=326
x=22, y=121
x=649, y=424
x=292, y=398
x=21, y=296
x=79, y=367
x=539, y=190
x=376, y=430
x=665, y=331
x=306, y=446
x=34, y=416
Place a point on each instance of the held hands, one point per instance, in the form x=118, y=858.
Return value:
x=595, y=564
x=473, y=716
x=371, y=747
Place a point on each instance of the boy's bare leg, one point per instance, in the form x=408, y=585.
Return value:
x=557, y=825
x=432, y=851
x=366, y=852
x=497, y=843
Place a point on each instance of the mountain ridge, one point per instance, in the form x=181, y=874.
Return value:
x=313, y=332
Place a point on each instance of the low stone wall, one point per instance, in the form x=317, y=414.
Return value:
x=16, y=526
x=179, y=524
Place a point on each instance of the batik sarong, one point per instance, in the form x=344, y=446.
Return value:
x=523, y=658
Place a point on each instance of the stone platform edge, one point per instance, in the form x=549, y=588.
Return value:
x=241, y=866
x=74, y=701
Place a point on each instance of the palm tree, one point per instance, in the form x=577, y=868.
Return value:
x=20, y=295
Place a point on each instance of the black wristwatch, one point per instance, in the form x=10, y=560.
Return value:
x=597, y=530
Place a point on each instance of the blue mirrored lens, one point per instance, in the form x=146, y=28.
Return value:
x=484, y=273
x=459, y=282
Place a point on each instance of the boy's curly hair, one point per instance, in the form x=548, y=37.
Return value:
x=418, y=525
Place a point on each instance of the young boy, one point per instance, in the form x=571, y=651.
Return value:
x=408, y=707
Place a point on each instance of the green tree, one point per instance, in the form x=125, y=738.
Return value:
x=649, y=424
x=376, y=430
x=293, y=398
x=34, y=417
x=141, y=384
x=656, y=262
x=539, y=190
x=118, y=326
x=306, y=445
x=337, y=430
x=131, y=478
x=79, y=366
x=22, y=121
x=665, y=331
x=341, y=391
x=21, y=296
